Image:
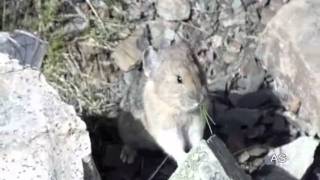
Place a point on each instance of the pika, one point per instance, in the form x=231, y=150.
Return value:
x=162, y=107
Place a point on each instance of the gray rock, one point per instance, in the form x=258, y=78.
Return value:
x=173, y=10
x=206, y=6
x=233, y=46
x=127, y=54
x=90, y=170
x=261, y=3
x=162, y=33
x=229, y=58
x=253, y=19
x=236, y=4
x=41, y=137
x=266, y=15
x=257, y=151
x=74, y=21
x=230, y=18
x=204, y=18
x=271, y=9
x=295, y=157
x=250, y=76
x=140, y=10
x=289, y=48
x=24, y=46
x=243, y=157
x=276, y=4
x=209, y=160
x=216, y=41
x=257, y=162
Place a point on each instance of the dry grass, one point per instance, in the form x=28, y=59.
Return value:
x=90, y=88
x=206, y=116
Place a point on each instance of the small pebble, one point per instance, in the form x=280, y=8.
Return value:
x=243, y=157
x=257, y=151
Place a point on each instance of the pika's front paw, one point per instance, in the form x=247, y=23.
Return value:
x=128, y=154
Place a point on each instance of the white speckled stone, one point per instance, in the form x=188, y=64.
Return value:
x=203, y=163
x=295, y=157
x=173, y=10
x=40, y=136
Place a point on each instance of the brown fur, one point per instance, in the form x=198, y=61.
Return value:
x=170, y=106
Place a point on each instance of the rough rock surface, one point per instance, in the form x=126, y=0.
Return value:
x=172, y=10
x=289, y=48
x=127, y=54
x=205, y=162
x=24, y=46
x=40, y=136
x=162, y=33
x=295, y=157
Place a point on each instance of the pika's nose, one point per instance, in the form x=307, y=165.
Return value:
x=204, y=91
x=201, y=98
x=203, y=94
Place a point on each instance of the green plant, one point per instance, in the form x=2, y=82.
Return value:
x=205, y=116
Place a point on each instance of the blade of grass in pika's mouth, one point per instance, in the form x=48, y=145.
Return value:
x=205, y=116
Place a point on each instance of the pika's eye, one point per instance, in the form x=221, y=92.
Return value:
x=179, y=79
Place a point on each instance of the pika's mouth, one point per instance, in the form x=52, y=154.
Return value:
x=196, y=105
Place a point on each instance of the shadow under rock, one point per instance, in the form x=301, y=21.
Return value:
x=272, y=172
x=106, y=147
x=313, y=172
x=252, y=123
x=254, y=118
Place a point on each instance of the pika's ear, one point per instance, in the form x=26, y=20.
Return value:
x=150, y=61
